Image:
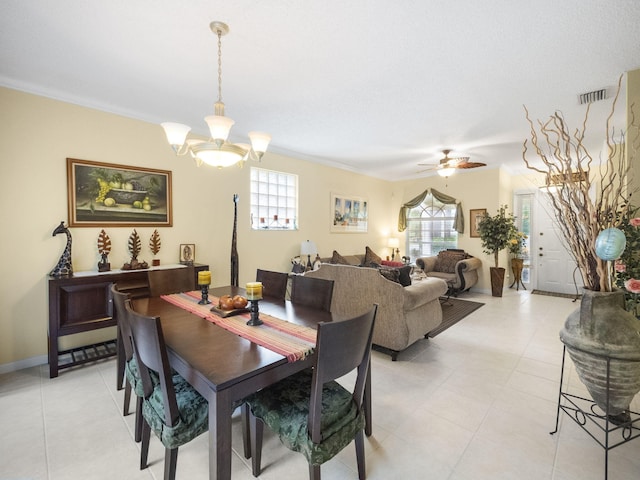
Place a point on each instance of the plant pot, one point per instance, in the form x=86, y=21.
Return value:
x=155, y=262
x=601, y=331
x=497, y=280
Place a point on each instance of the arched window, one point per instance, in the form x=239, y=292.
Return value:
x=431, y=228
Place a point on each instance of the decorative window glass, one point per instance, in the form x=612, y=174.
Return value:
x=430, y=228
x=274, y=200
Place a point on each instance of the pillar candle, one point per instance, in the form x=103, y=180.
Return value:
x=254, y=290
x=204, y=277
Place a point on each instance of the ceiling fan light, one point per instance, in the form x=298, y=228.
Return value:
x=446, y=172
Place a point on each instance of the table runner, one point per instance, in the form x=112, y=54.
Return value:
x=288, y=339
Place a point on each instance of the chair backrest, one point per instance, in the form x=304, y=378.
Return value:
x=341, y=347
x=312, y=292
x=119, y=300
x=151, y=354
x=274, y=284
x=174, y=280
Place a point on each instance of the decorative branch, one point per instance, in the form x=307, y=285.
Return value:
x=569, y=170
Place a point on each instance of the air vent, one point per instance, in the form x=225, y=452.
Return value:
x=594, y=96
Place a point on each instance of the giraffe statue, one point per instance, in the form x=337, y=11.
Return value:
x=63, y=268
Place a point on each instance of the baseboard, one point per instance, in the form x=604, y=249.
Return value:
x=22, y=364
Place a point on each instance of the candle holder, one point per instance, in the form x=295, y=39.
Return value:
x=254, y=321
x=205, y=295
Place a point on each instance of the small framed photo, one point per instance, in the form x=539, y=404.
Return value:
x=187, y=253
x=474, y=218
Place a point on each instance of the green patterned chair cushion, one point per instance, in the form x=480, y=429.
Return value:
x=133, y=376
x=284, y=408
x=194, y=414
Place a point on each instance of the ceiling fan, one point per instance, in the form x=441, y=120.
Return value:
x=448, y=164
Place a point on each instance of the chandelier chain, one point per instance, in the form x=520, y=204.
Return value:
x=219, y=66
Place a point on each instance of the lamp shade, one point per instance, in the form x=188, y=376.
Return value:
x=259, y=141
x=219, y=126
x=393, y=242
x=308, y=248
x=176, y=133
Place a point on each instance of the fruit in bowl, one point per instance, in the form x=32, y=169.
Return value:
x=239, y=301
x=225, y=302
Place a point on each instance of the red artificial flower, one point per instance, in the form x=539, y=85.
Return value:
x=632, y=285
x=635, y=222
x=620, y=267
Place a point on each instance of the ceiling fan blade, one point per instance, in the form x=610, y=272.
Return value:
x=471, y=165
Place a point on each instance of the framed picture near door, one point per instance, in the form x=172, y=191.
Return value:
x=474, y=218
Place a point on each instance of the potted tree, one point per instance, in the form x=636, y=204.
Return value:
x=495, y=233
x=590, y=200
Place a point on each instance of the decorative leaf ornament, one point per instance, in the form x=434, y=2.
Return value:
x=154, y=242
x=134, y=245
x=104, y=243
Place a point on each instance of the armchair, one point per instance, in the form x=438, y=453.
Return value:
x=455, y=266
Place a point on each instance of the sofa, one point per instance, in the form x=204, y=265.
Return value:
x=405, y=314
x=454, y=266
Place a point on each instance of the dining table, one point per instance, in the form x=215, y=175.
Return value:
x=224, y=367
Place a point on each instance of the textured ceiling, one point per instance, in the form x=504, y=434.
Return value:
x=368, y=85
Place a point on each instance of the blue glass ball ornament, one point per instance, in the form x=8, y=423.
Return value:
x=610, y=244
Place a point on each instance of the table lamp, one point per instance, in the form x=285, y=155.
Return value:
x=308, y=248
x=393, y=244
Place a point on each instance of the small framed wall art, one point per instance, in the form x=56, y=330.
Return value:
x=187, y=253
x=349, y=214
x=474, y=218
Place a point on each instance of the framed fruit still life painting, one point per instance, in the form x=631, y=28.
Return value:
x=102, y=194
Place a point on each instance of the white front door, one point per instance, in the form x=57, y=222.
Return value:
x=555, y=269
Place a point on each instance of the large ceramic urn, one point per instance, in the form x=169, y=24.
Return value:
x=600, y=333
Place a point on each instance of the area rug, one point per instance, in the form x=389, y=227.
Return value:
x=555, y=294
x=454, y=310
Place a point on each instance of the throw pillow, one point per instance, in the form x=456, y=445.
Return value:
x=338, y=259
x=404, y=275
x=371, y=256
x=446, y=261
x=390, y=274
x=390, y=263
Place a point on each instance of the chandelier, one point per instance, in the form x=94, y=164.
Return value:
x=217, y=151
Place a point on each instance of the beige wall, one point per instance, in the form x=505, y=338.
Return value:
x=37, y=136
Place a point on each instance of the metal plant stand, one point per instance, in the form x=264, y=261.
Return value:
x=608, y=431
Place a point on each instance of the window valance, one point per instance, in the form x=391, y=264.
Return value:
x=458, y=222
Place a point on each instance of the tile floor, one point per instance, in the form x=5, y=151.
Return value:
x=477, y=402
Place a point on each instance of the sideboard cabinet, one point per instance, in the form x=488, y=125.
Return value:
x=83, y=302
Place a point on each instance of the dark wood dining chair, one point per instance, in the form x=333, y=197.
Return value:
x=274, y=284
x=174, y=410
x=175, y=280
x=312, y=292
x=133, y=381
x=311, y=412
